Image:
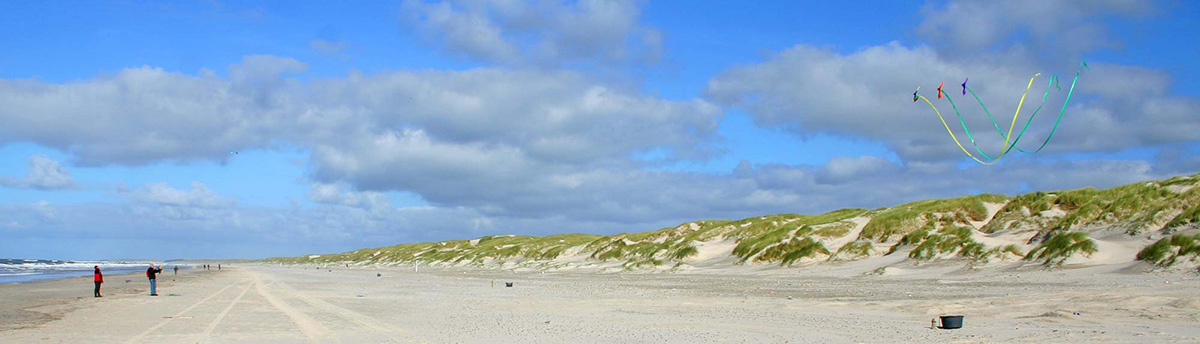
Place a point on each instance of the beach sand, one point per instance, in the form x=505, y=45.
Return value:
x=839, y=303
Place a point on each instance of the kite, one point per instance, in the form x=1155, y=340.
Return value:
x=233, y=152
x=940, y=90
x=915, y=93
x=1010, y=143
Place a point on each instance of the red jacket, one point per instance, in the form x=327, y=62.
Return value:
x=97, y=277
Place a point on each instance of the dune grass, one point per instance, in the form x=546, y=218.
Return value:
x=932, y=227
x=1060, y=246
x=854, y=250
x=1187, y=217
x=790, y=251
x=1135, y=207
x=1167, y=251
x=900, y=220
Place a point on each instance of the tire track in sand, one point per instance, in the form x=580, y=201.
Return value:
x=185, y=310
x=311, y=328
x=217, y=320
x=357, y=317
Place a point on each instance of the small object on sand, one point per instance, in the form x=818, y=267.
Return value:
x=950, y=322
x=508, y=284
x=789, y=297
x=1075, y=313
x=933, y=323
x=359, y=295
x=127, y=281
x=378, y=274
x=174, y=295
x=547, y=321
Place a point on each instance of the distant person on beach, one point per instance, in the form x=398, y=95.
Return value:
x=177, y=269
x=150, y=274
x=218, y=266
x=98, y=278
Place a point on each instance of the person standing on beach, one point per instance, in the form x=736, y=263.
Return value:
x=98, y=278
x=150, y=274
x=177, y=269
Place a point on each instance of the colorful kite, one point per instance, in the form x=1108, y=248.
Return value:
x=1009, y=142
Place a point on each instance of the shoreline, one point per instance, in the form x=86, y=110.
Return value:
x=29, y=304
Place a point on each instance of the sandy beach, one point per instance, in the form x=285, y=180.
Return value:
x=272, y=304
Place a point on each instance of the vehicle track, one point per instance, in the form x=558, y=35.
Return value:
x=160, y=324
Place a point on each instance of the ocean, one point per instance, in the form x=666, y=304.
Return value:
x=25, y=270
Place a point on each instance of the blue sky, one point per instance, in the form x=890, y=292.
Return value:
x=392, y=122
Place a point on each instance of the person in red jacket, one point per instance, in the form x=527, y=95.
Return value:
x=98, y=278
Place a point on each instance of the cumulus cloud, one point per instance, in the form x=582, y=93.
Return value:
x=142, y=115
x=1058, y=28
x=44, y=174
x=537, y=32
x=162, y=193
x=339, y=194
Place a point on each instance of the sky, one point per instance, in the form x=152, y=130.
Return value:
x=219, y=129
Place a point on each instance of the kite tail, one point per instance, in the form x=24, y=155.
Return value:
x=1053, y=83
x=1070, y=91
x=952, y=136
x=964, y=125
x=1018, y=113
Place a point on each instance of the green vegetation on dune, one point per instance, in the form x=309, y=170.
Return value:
x=1187, y=217
x=1055, y=250
x=952, y=240
x=854, y=250
x=789, y=238
x=1134, y=207
x=1167, y=251
x=903, y=219
x=933, y=229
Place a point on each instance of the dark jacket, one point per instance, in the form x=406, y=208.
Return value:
x=151, y=271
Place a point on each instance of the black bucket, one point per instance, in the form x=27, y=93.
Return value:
x=508, y=284
x=950, y=322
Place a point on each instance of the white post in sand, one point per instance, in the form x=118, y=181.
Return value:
x=417, y=266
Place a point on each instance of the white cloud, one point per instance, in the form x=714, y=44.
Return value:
x=44, y=174
x=537, y=32
x=339, y=194
x=1058, y=28
x=162, y=193
x=142, y=115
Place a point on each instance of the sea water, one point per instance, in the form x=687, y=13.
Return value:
x=25, y=270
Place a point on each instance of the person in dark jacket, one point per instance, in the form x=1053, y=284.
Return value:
x=98, y=278
x=150, y=274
